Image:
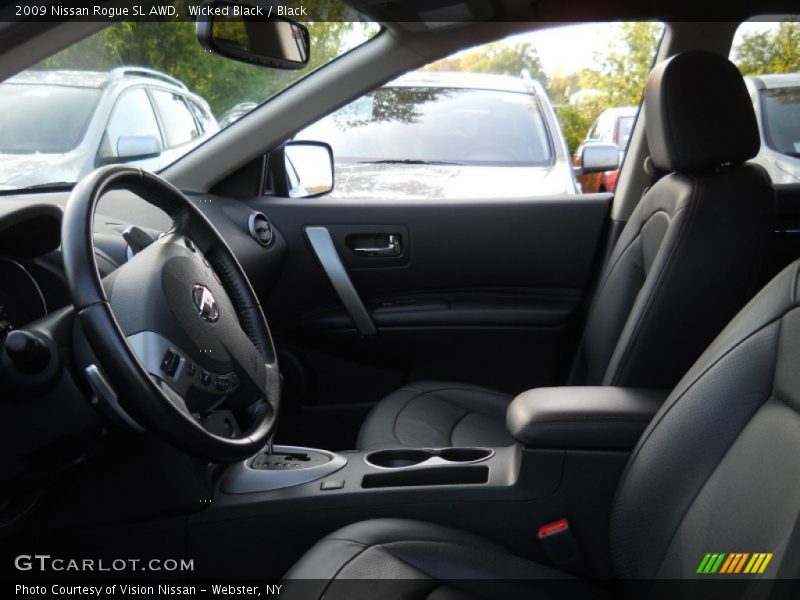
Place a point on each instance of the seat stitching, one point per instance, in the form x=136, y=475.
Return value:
x=453, y=428
x=435, y=393
x=666, y=408
x=340, y=569
x=646, y=436
x=689, y=386
x=400, y=412
x=657, y=288
x=623, y=251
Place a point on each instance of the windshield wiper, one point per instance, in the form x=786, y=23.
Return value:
x=407, y=161
x=55, y=185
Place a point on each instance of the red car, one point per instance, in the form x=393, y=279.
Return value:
x=613, y=126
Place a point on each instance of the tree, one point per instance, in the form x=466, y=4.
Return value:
x=576, y=118
x=500, y=58
x=172, y=47
x=625, y=67
x=772, y=51
x=619, y=80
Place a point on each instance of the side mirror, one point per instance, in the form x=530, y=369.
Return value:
x=138, y=147
x=596, y=157
x=248, y=33
x=301, y=169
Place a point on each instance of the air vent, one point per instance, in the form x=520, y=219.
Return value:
x=260, y=229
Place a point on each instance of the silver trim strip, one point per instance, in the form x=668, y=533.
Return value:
x=322, y=244
x=242, y=479
x=102, y=389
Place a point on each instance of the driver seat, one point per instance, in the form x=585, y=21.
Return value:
x=687, y=260
x=716, y=470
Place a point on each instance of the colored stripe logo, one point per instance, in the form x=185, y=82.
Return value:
x=734, y=563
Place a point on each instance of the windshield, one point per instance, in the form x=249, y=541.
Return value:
x=93, y=102
x=438, y=125
x=44, y=118
x=781, y=109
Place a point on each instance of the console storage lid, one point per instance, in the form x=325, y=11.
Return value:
x=590, y=417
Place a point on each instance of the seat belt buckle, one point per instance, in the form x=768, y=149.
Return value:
x=561, y=547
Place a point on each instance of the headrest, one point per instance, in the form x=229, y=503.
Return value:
x=698, y=114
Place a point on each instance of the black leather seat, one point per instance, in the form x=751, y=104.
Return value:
x=689, y=257
x=715, y=471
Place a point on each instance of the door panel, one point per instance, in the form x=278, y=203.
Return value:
x=486, y=292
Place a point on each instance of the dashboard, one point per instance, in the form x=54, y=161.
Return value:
x=32, y=282
x=21, y=298
x=34, y=295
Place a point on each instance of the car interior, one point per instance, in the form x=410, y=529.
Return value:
x=570, y=396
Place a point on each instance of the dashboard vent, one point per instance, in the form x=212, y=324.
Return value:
x=260, y=229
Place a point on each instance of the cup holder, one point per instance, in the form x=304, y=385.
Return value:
x=394, y=459
x=465, y=454
x=402, y=457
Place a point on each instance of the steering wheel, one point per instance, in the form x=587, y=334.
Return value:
x=177, y=331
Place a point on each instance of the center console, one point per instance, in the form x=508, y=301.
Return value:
x=571, y=447
x=283, y=467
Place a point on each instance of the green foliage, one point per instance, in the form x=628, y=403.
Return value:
x=499, y=58
x=773, y=51
x=172, y=47
x=624, y=68
x=619, y=80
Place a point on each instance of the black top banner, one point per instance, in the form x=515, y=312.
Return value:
x=432, y=12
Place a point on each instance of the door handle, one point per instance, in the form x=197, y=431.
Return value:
x=393, y=246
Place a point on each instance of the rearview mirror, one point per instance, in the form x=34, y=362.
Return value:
x=138, y=147
x=248, y=33
x=301, y=169
x=596, y=157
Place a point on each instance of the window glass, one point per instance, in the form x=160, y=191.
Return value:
x=414, y=122
x=521, y=106
x=132, y=115
x=781, y=108
x=49, y=109
x=204, y=118
x=40, y=118
x=624, y=128
x=767, y=53
x=176, y=118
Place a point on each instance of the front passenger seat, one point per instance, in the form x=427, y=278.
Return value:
x=715, y=471
x=687, y=260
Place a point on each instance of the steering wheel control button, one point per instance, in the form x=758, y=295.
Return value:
x=205, y=378
x=222, y=384
x=332, y=484
x=170, y=363
x=234, y=380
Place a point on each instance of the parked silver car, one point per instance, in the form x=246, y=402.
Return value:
x=448, y=136
x=59, y=125
x=776, y=99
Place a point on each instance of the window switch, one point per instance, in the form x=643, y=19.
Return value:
x=170, y=363
x=332, y=484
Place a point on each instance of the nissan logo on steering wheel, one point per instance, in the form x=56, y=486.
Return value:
x=204, y=302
